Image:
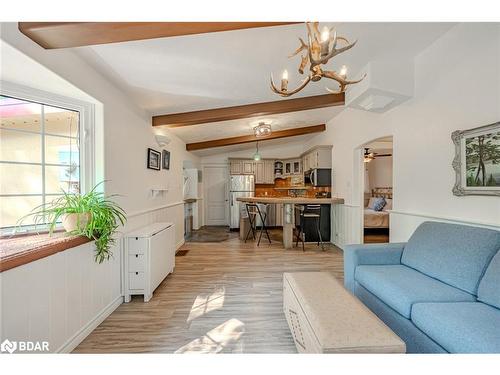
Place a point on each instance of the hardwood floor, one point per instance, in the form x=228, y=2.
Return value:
x=222, y=297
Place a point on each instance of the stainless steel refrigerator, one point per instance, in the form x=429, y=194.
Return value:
x=239, y=186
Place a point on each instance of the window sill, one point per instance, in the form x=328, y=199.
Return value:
x=17, y=251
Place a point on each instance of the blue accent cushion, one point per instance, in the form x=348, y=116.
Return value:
x=489, y=287
x=400, y=287
x=455, y=254
x=463, y=327
x=379, y=204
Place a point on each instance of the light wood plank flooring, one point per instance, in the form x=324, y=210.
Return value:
x=222, y=297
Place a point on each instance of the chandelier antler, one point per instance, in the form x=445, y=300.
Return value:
x=319, y=49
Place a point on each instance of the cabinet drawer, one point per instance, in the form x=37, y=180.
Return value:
x=305, y=340
x=137, y=246
x=136, y=263
x=136, y=280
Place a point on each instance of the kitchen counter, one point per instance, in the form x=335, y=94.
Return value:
x=291, y=200
x=289, y=211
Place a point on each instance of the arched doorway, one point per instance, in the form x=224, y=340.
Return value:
x=376, y=189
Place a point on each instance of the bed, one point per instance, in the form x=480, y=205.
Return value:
x=378, y=219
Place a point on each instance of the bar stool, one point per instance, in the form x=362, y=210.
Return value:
x=308, y=212
x=255, y=210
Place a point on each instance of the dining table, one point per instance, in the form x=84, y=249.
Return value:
x=289, y=210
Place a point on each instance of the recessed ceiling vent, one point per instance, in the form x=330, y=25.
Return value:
x=386, y=85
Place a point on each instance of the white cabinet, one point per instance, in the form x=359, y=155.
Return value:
x=264, y=172
x=149, y=256
x=248, y=167
x=317, y=157
x=269, y=171
x=293, y=166
x=241, y=166
x=235, y=166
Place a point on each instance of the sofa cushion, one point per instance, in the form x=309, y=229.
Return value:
x=460, y=327
x=489, y=287
x=455, y=254
x=400, y=287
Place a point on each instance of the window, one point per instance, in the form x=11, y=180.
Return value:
x=39, y=157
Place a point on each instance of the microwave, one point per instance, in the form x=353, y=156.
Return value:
x=318, y=177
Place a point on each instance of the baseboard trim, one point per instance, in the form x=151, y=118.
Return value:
x=179, y=245
x=74, y=341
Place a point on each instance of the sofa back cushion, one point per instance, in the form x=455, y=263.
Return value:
x=489, y=287
x=455, y=254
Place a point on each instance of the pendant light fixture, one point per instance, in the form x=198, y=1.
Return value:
x=257, y=156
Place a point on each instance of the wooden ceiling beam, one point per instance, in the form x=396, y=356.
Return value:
x=250, y=110
x=51, y=35
x=252, y=138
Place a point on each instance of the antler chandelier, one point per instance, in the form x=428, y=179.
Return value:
x=320, y=48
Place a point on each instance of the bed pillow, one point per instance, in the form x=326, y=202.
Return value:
x=379, y=204
x=371, y=202
x=388, y=204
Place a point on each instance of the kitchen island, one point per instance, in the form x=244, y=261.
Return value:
x=289, y=211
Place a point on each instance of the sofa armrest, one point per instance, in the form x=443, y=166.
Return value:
x=355, y=255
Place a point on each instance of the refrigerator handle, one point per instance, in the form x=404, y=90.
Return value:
x=231, y=198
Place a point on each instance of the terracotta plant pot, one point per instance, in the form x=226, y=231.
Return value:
x=72, y=222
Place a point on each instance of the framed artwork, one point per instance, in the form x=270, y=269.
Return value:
x=166, y=159
x=477, y=161
x=154, y=159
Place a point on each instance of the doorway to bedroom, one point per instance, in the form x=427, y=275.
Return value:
x=378, y=189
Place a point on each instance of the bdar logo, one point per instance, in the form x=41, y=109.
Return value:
x=8, y=346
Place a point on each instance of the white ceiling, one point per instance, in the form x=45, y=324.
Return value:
x=194, y=72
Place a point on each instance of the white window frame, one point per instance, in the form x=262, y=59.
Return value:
x=86, y=124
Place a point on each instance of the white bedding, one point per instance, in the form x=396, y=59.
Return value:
x=376, y=219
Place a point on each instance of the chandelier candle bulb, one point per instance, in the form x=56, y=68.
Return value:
x=343, y=71
x=284, y=80
x=325, y=41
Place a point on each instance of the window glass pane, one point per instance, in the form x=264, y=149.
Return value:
x=20, y=114
x=20, y=179
x=20, y=146
x=61, y=121
x=14, y=208
x=62, y=178
x=61, y=150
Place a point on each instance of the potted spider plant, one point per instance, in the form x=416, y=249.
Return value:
x=92, y=215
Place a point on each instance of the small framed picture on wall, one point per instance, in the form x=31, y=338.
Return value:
x=166, y=159
x=154, y=159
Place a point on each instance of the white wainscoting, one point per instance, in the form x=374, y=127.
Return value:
x=346, y=224
x=403, y=224
x=347, y=220
x=60, y=298
x=64, y=297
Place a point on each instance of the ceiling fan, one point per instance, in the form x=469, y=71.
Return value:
x=369, y=156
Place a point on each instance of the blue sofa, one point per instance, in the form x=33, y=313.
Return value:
x=439, y=292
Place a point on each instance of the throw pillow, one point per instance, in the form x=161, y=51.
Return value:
x=379, y=204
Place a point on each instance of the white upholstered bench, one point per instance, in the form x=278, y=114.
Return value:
x=325, y=318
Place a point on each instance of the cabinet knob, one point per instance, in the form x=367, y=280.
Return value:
x=137, y=273
x=137, y=255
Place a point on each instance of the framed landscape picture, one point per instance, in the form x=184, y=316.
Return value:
x=154, y=159
x=477, y=160
x=166, y=159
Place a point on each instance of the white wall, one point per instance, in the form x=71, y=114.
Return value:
x=380, y=172
x=124, y=133
x=457, y=82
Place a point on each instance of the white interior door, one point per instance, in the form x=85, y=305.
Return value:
x=216, y=196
